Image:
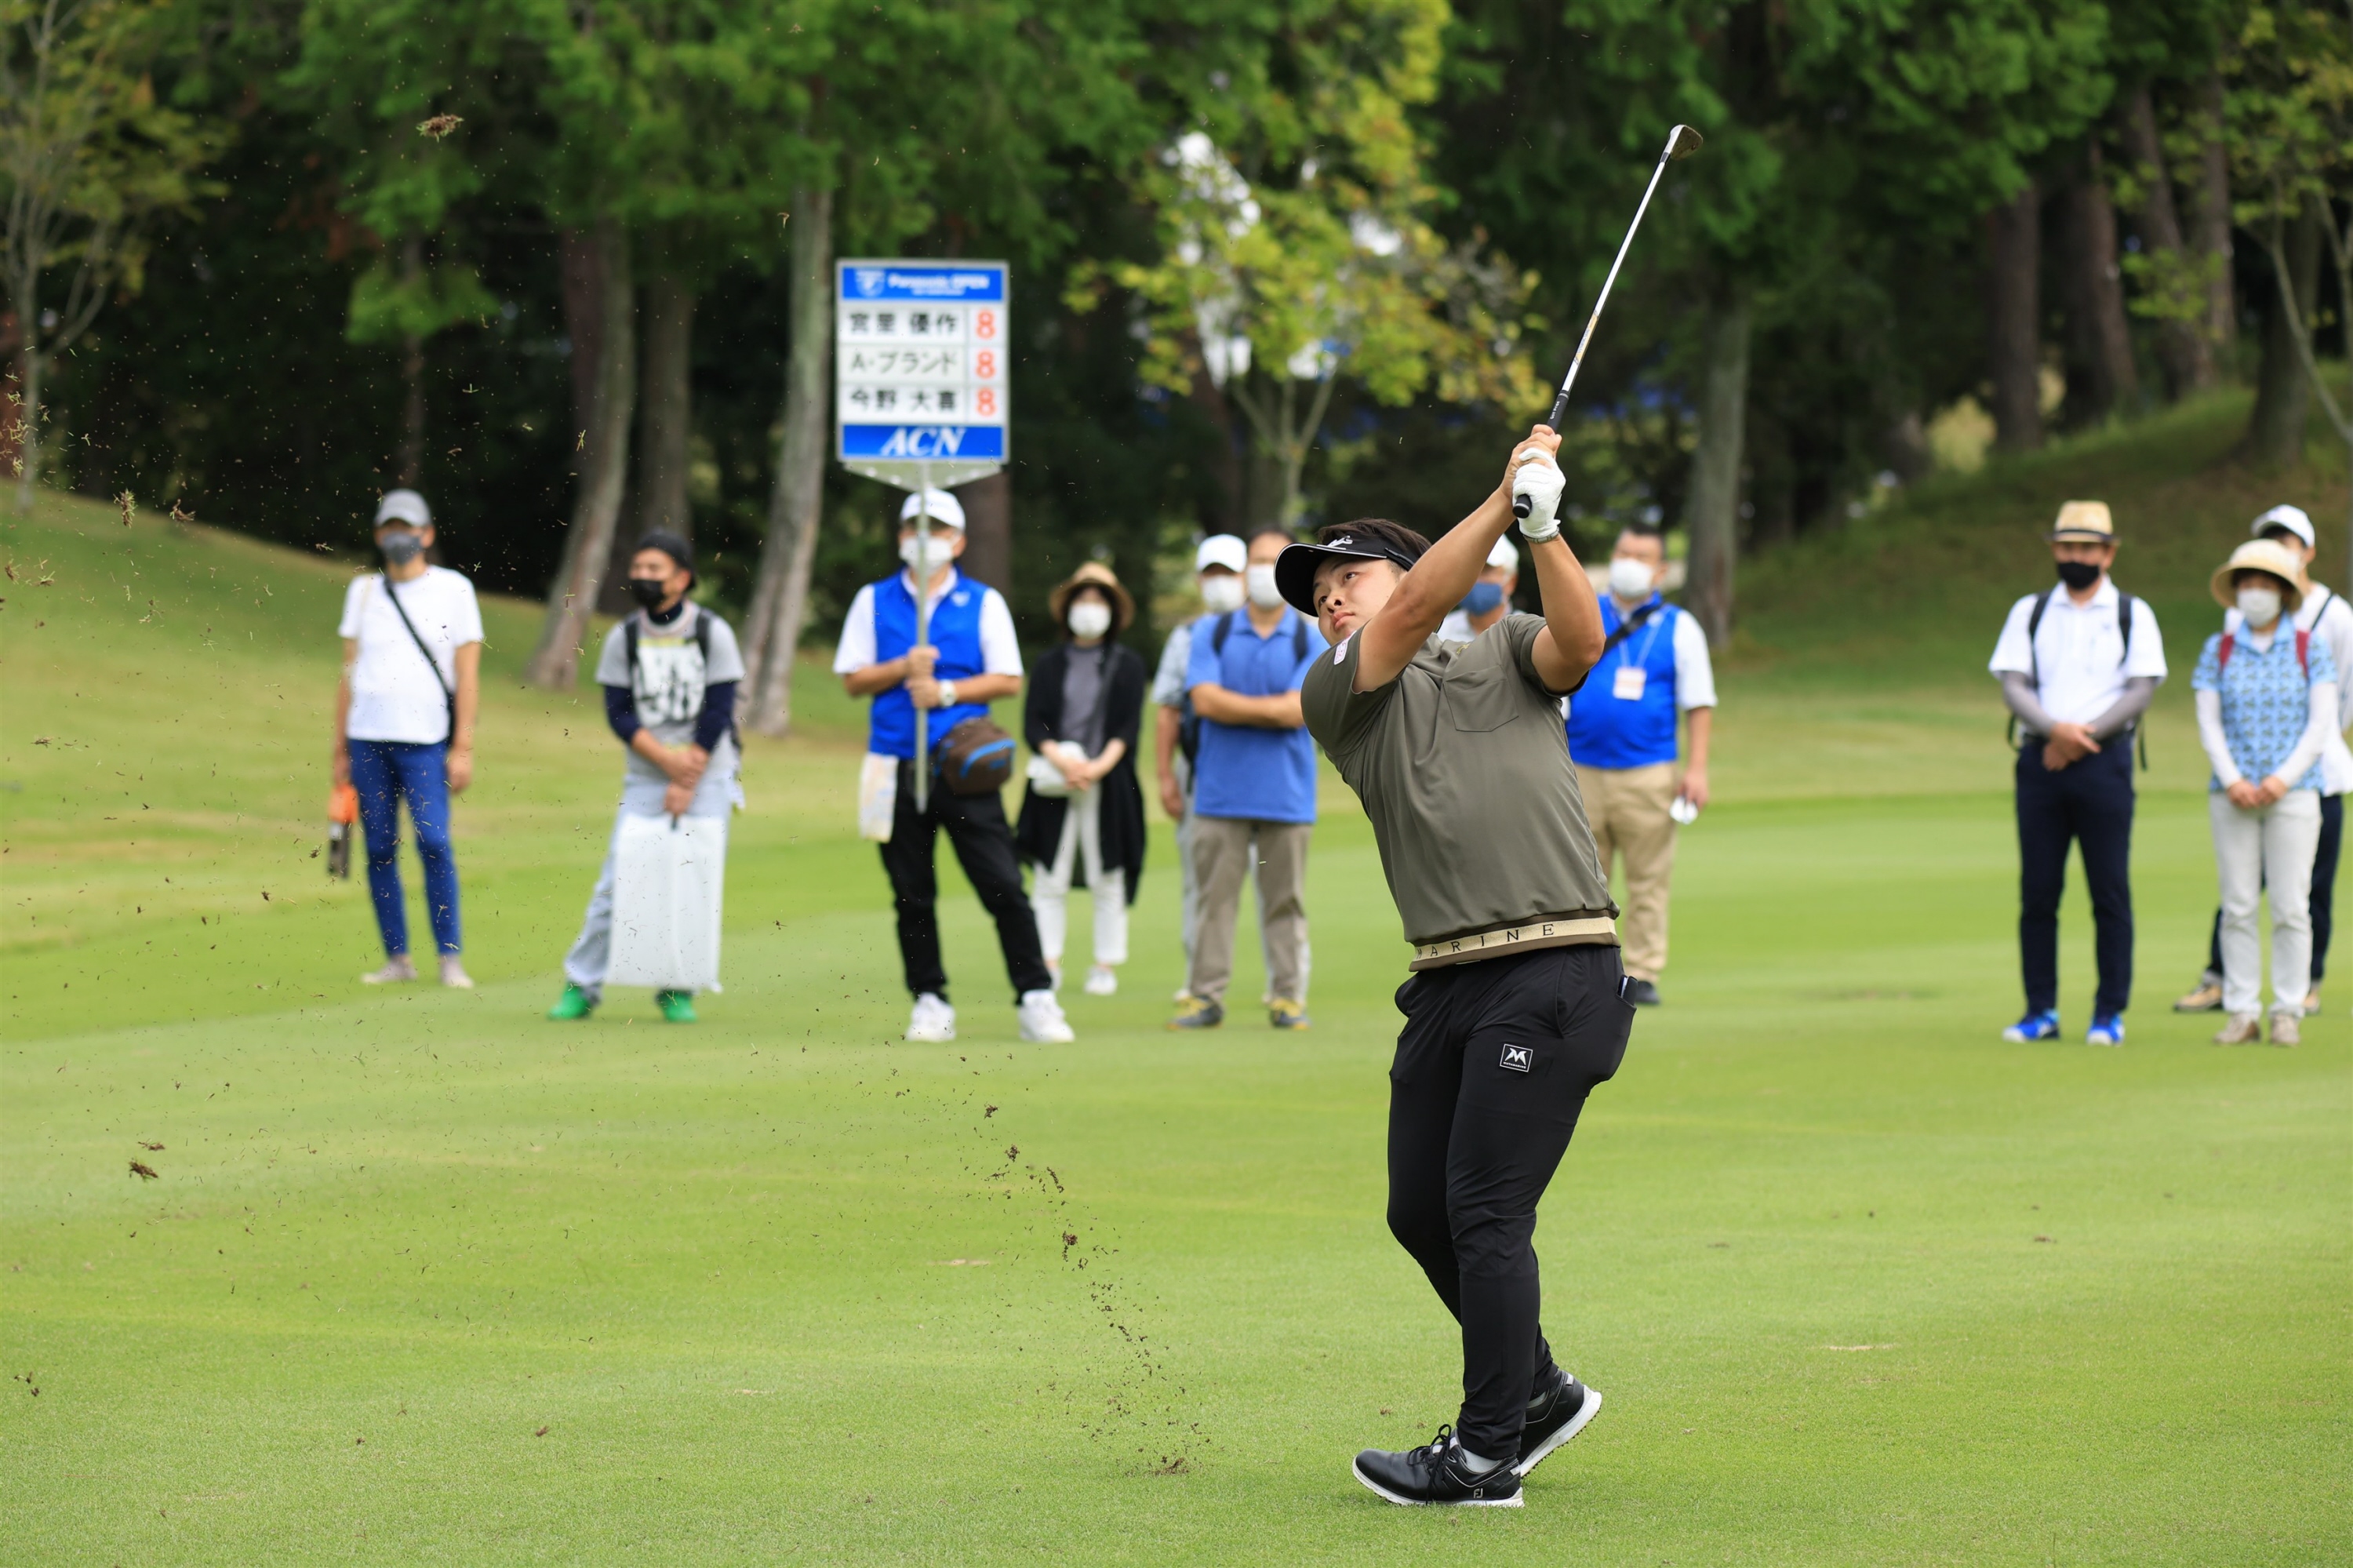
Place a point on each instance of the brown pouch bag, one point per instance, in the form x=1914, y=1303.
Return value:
x=976, y=758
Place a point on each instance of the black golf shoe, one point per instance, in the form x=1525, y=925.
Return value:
x=1553, y=1420
x=1435, y=1473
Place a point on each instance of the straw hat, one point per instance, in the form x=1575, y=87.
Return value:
x=1095, y=574
x=2084, y=520
x=2261, y=555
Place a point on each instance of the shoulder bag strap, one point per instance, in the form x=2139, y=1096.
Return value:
x=1632, y=624
x=448, y=697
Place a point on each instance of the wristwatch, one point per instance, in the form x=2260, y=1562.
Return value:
x=947, y=693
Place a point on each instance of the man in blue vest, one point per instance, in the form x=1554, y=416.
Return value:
x=1622, y=736
x=972, y=659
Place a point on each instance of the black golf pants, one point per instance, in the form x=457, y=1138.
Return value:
x=2090, y=803
x=1492, y=1069
x=983, y=847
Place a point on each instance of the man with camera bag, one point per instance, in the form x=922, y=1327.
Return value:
x=1516, y=1005
x=972, y=659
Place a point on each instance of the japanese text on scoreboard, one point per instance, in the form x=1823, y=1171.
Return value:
x=919, y=362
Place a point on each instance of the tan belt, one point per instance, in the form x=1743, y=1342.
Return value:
x=1568, y=932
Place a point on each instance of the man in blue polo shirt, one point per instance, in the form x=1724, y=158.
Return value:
x=1253, y=792
x=971, y=661
x=1622, y=736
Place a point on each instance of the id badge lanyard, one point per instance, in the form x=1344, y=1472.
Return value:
x=1632, y=677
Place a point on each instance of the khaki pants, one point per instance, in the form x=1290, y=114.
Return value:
x=1628, y=808
x=1224, y=850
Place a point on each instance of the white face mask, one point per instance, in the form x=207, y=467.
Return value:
x=1221, y=593
x=1262, y=589
x=1090, y=618
x=942, y=551
x=2261, y=606
x=1629, y=579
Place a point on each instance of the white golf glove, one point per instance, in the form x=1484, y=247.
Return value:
x=1539, y=479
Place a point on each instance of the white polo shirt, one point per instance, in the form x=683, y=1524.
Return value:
x=2326, y=615
x=2079, y=650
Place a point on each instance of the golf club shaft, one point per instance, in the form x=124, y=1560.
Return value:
x=922, y=629
x=1560, y=404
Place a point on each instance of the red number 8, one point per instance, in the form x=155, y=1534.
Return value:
x=987, y=400
x=985, y=325
x=985, y=363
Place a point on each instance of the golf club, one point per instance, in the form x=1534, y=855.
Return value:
x=1682, y=143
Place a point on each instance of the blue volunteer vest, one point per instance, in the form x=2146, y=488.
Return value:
x=1605, y=730
x=955, y=631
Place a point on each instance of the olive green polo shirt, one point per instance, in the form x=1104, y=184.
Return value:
x=1463, y=765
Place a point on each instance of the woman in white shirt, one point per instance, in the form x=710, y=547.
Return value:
x=405, y=723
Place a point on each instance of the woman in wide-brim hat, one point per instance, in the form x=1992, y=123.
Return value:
x=2266, y=696
x=1081, y=820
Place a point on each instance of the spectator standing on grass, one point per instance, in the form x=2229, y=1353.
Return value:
x=2078, y=664
x=405, y=709
x=971, y=661
x=669, y=669
x=1622, y=736
x=2324, y=615
x=1083, y=815
x=1217, y=567
x=2266, y=695
x=1490, y=599
x=1253, y=792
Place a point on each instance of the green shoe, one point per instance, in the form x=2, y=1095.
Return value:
x=677, y=1006
x=574, y=1003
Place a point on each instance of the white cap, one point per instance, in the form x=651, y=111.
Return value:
x=1220, y=550
x=2291, y=518
x=946, y=509
x=407, y=506
x=1504, y=556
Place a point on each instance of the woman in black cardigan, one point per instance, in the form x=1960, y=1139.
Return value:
x=1082, y=818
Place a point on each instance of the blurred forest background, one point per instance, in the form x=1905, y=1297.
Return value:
x=565, y=267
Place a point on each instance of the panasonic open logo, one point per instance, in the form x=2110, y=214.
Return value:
x=1519, y=1059
x=869, y=280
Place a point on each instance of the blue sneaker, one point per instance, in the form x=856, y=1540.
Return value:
x=2107, y=1029
x=2043, y=1025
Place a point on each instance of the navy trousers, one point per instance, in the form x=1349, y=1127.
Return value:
x=2090, y=804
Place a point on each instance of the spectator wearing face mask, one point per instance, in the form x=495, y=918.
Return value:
x=1490, y=599
x=405, y=725
x=670, y=670
x=2078, y=663
x=972, y=659
x=1218, y=566
x=2266, y=695
x=2326, y=616
x=1082, y=817
x=1253, y=792
x=1654, y=668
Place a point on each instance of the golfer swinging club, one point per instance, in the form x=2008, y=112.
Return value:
x=1515, y=1009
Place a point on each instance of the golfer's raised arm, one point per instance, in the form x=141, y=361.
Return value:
x=1570, y=643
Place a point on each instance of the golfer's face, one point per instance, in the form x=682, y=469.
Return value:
x=1349, y=593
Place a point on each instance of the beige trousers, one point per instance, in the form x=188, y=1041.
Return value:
x=1628, y=808
x=1224, y=850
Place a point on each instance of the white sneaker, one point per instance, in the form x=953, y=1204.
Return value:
x=453, y=973
x=1042, y=1023
x=1103, y=980
x=395, y=971
x=933, y=1022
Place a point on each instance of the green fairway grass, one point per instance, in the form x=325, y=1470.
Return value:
x=422, y=1277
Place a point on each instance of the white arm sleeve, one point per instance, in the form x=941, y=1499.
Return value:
x=856, y=649
x=2209, y=736
x=1695, y=671
x=1001, y=650
x=2317, y=731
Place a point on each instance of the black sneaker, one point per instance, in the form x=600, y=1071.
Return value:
x=1641, y=992
x=1435, y=1473
x=1554, y=1420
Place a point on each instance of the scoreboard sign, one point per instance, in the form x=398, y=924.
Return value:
x=920, y=372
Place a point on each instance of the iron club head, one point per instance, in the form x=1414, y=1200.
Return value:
x=1682, y=143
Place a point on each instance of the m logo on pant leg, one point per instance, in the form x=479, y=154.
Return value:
x=1519, y=1059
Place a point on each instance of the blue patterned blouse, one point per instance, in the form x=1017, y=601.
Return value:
x=2266, y=700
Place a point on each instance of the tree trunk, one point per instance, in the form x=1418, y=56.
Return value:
x=2210, y=236
x=2100, y=358
x=988, y=532
x=1225, y=458
x=2180, y=346
x=28, y=421
x=604, y=466
x=584, y=279
x=409, y=465
x=1713, y=514
x=780, y=592
x=2283, y=395
x=665, y=426
x=2013, y=320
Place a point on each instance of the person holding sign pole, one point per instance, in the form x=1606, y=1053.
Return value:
x=969, y=660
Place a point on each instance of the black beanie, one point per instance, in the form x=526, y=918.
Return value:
x=669, y=544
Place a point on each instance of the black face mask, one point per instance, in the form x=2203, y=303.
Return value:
x=401, y=547
x=648, y=591
x=2078, y=575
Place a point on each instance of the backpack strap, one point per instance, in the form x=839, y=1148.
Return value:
x=2124, y=626
x=1298, y=636
x=1224, y=628
x=2033, y=625
x=2222, y=653
x=2304, y=651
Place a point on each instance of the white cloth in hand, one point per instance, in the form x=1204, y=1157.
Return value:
x=1539, y=479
